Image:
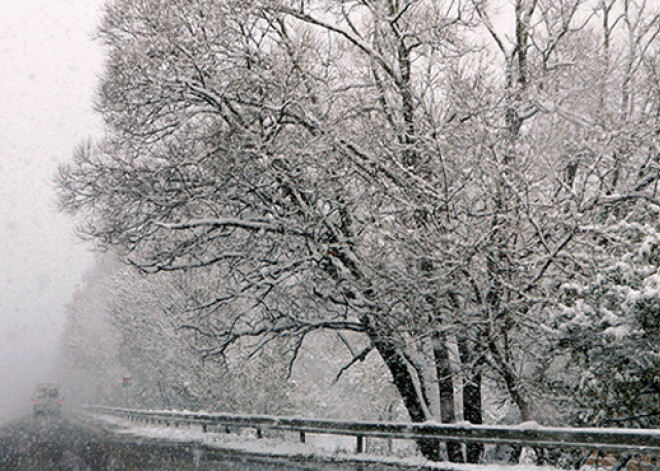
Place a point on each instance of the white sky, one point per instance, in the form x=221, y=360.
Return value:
x=49, y=67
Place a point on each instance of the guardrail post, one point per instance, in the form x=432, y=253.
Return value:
x=302, y=437
x=359, y=448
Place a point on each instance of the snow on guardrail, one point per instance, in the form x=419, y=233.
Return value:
x=642, y=441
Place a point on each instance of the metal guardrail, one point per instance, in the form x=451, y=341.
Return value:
x=639, y=441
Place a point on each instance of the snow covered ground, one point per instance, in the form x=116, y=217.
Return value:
x=333, y=448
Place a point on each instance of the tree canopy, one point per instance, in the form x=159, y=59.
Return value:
x=405, y=169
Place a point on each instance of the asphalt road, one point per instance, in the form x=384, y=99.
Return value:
x=51, y=443
x=57, y=443
x=63, y=444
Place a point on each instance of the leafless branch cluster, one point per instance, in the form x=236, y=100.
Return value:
x=429, y=174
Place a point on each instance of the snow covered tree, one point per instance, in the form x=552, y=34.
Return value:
x=610, y=330
x=239, y=135
x=166, y=369
x=368, y=167
x=121, y=323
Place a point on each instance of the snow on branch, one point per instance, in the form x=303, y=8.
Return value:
x=230, y=336
x=239, y=223
x=371, y=52
x=359, y=357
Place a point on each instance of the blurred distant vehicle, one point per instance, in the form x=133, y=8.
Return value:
x=47, y=399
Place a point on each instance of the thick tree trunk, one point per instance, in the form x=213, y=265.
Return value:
x=472, y=410
x=404, y=383
x=446, y=389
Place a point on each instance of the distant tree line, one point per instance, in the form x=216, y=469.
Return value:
x=123, y=345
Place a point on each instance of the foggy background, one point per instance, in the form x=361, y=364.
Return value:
x=49, y=66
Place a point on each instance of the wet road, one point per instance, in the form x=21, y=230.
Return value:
x=53, y=443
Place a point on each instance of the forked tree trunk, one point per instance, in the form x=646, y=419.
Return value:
x=404, y=383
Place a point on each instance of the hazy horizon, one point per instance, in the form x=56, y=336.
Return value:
x=50, y=66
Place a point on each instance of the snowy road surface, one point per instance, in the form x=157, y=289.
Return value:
x=50, y=443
